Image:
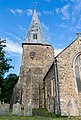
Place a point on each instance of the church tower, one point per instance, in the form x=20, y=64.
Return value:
x=37, y=57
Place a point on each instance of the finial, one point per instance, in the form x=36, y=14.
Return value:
x=35, y=5
x=79, y=34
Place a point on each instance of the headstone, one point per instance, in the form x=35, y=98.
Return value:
x=16, y=110
x=72, y=108
x=4, y=109
x=3, y=102
x=28, y=109
x=7, y=107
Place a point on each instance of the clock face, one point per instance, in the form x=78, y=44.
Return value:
x=32, y=55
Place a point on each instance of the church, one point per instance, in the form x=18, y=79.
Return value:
x=49, y=82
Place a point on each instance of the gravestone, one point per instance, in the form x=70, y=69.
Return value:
x=4, y=109
x=28, y=109
x=72, y=108
x=16, y=110
x=7, y=107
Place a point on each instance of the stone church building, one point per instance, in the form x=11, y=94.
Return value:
x=49, y=82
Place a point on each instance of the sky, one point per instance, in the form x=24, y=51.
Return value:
x=60, y=21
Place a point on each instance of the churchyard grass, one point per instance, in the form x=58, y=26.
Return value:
x=37, y=118
x=39, y=114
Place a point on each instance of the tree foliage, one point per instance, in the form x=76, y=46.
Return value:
x=4, y=62
x=6, y=84
x=9, y=82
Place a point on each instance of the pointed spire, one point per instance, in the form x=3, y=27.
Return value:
x=35, y=34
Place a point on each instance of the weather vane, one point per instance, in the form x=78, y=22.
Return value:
x=35, y=5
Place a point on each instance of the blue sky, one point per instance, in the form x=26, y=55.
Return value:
x=60, y=20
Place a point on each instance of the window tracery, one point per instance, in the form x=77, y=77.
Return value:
x=77, y=67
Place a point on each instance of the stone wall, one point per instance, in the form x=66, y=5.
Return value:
x=66, y=77
x=36, y=61
x=49, y=90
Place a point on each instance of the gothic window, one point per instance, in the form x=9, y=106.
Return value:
x=77, y=66
x=35, y=36
x=52, y=87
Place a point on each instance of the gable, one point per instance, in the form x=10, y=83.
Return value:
x=76, y=42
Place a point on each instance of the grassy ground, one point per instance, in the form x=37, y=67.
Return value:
x=39, y=114
x=36, y=118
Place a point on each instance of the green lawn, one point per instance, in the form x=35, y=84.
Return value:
x=37, y=118
x=39, y=114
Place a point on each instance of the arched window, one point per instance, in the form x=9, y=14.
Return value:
x=77, y=66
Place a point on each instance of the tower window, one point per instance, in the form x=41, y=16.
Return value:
x=35, y=36
x=33, y=26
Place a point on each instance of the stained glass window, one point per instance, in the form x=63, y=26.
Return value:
x=77, y=65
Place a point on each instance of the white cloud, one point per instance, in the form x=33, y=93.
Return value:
x=39, y=13
x=78, y=26
x=57, y=10
x=62, y=25
x=78, y=6
x=71, y=11
x=76, y=12
x=65, y=12
x=19, y=11
x=12, y=11
x=14, y=36
x=45, y=27
x=57, y=51
x=29, y=12
x=51, y=12
x=13, y=47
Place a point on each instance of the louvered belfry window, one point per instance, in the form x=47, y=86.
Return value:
x=35, y=36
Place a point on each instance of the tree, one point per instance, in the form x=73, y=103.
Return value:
x=4, y=64
x=7, y=91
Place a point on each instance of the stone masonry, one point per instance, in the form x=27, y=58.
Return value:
x=48, y=82
x=37, y=57
x=66, y=76
x=32, y=71
x=67, y=92
x=49, y=90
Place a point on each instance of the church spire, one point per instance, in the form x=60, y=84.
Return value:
x=35, y=34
